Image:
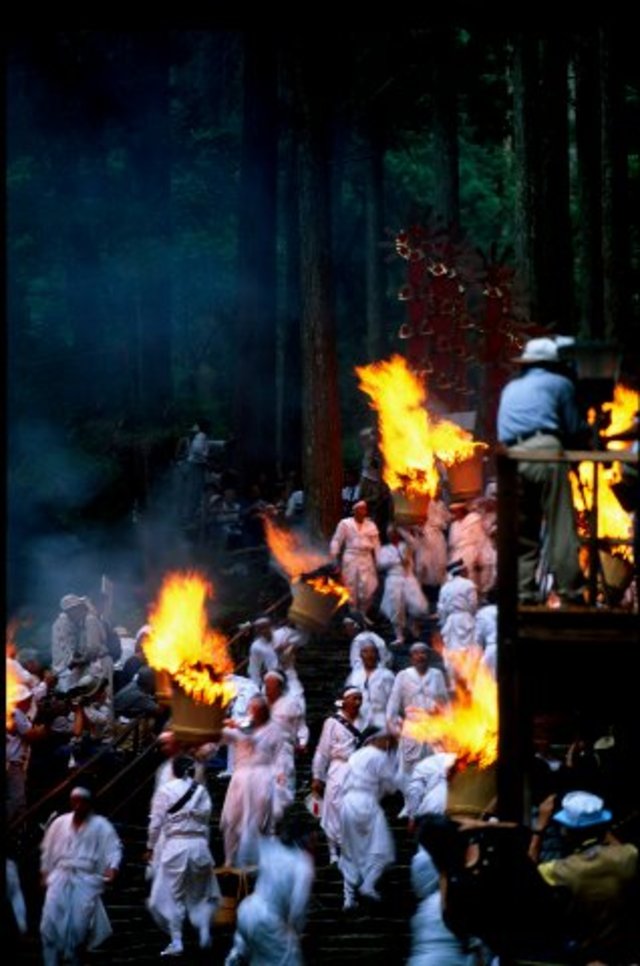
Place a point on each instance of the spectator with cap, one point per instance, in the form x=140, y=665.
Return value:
x=599, y=874
x=80, y=855
x=137, y=699
x=538, y=411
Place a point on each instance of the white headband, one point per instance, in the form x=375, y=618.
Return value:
x=80, y=792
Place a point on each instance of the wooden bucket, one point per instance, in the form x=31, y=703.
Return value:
x=192, y=721
x=310, y=609
x=617, y=573
x=409, y=511
x=472, y=791
x=164, y=687
x=465, y=479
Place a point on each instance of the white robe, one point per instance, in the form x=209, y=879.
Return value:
x=289, y=713
x=402, y=597
x=367, y=843
x=271, y=919
x=358, y=543
x=486, y=631
x=431, y=547
x=376, y=687
x=74, y=861
x=426, y=789
x=469, y=539
x=251, y=805
x=262, y=658
x=457, y=607
x=183, y=883
x=329, y=765
x=432, y=942
x=413, y=690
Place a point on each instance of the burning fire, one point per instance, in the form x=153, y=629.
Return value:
x=410, y=442
x=468, y=727
x=182, y=643
x=622, y=412
x=295, y=559
x=613, y=521
x=12, y=684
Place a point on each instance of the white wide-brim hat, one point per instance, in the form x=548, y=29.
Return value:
x=581, y=809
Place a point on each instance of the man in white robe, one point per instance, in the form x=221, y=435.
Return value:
x=471, y=538
x=356, y=542
x=288, y=711
x=251, y=806
x=367, y=843
x=418, y=686
x=79, y=855
x=338, y=740
x=402, y=601
x=432, y=942
x=375, y=683
x=183, y=883
x=457, y=607
x=271, y=919
x=431, y=549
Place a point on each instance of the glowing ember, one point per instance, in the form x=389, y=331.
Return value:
x=613, y=521
x=622, y=412
x=325, y=585
x=12, y=684
x=409, y=440
x=296, y=558
x=468, y=727
x=182, y=643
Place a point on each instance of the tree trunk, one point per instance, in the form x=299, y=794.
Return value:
x=543, y=236
x=615, y=238
x=446, y=202
x=322, y=462
x=374, y=261
x=553, y=251
x=589, y=186
x=289, y=324
x=255, y=404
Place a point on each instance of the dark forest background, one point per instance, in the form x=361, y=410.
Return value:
x=200, y=226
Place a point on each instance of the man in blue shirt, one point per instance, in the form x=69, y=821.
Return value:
x=538, y=411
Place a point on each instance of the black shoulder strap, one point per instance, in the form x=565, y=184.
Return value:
x=357, y=734
x=183, y=799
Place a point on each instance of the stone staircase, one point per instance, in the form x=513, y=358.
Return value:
x=375, y=933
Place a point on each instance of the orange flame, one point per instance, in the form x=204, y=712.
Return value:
x=296, y=558
x=622, y=412
x=13, y=682
x=468, y=727
x=613, y=521
x=290, y=552
x=410, y=442
x=182, y=643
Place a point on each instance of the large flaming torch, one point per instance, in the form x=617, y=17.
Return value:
x=191, y=657
x=411, y=441
x=317, y=595
x=468, y=728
